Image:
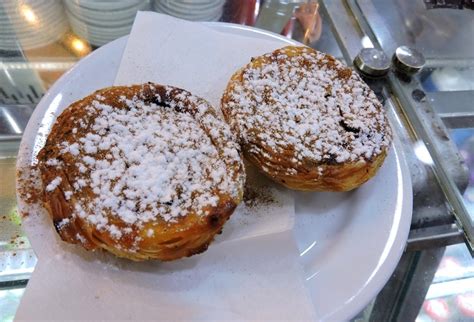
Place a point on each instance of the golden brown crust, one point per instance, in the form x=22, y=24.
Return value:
x=165, y=236
x=325, y=177
x=306, y=120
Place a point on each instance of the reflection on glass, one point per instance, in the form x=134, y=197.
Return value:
x=28, y=14
x=9, y=301
x=422, y=153
x=80, y=47
x=366, y=42
x=12, y=122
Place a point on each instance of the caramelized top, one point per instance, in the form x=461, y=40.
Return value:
x=131, y=155
x=308, y=106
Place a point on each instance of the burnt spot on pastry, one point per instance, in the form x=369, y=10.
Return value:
x=58, y=224
x=331, y=159
x=344, y=124
x=213, y=220
x=348, y=128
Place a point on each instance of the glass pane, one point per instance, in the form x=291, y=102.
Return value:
x=464, y=139
x=445, y=86
x=451, y=295
x=439, y=33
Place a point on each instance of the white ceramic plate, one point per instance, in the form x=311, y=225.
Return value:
x=350, y=243
x=191, y=14
x=45, y=17
x=96, y=14
x=98, y=5
x=194, y=8
x=49, y=35
x=212, y=16
x=99, y=30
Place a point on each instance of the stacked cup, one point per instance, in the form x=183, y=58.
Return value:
x=196, y=10
x=29, y=24
x=101, y=21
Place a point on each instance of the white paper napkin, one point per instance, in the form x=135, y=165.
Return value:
x=189, y=55
x=185, y=54
x=270, y=209
x=251, y=272
x=240, y=281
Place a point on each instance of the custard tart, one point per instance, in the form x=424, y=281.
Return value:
x=144, y=172
x=306, y=120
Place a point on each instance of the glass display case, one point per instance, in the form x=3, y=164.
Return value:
x=427, y=87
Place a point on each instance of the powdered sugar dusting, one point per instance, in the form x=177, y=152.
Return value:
x=309, y=106
x=53, y=184
x=151, y=159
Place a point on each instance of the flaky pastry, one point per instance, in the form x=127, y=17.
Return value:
x=145, y=172
x=306, y=120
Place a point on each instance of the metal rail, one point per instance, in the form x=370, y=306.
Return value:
x=350, y=28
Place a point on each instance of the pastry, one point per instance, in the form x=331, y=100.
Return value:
x=306, y=120
x=145, y=172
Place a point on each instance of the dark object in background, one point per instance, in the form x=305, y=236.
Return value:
x=452, y=4
x=242, y=12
